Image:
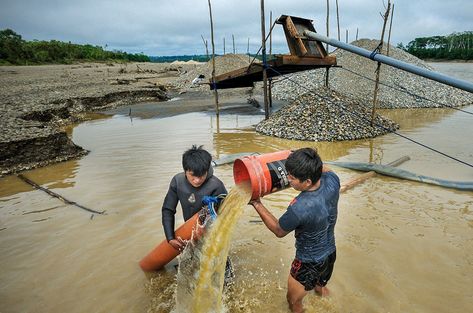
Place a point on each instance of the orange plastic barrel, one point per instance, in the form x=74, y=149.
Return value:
x=164, y=252
x=266, y=172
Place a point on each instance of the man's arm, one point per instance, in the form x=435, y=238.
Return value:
x=268, y=219
x=168, y=213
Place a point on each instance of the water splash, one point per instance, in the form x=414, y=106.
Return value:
x=207, y=296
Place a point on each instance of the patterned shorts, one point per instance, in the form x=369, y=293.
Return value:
x=313, y=274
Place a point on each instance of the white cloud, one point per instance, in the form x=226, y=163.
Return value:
x=175, y=27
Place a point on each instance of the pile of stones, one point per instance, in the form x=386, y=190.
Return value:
x=325, y=115
x=355, y=79
x=223, y=64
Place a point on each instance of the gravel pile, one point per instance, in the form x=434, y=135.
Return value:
x=409, y=90
x=223, y=64
x=325, y=115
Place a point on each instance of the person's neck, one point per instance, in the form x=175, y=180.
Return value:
x=314, y=186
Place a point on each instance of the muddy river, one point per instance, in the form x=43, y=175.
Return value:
x=402, y=246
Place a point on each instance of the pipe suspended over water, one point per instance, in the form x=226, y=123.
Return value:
x=454, y=82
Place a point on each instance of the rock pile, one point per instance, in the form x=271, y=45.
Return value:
x=223, y=64
x=325, y=115
x=356, y=78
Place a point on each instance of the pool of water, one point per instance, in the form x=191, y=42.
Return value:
x=402, y=246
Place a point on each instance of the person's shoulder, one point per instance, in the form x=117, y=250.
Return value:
x=330, y=174
x=331, y=177
x=179, y=175
x=215, y=180
x=178, y=178
x=300, y=205
x=299, y=201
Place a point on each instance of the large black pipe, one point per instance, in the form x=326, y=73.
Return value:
x=441, y=78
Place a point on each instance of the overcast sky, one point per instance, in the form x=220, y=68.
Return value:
x=163, y=27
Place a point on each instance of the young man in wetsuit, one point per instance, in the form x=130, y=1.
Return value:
x=312, y=215
x=188, y=188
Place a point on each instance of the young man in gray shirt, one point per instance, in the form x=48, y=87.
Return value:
x=312, y=215
x=188, y=188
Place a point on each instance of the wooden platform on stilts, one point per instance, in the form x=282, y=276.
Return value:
x=305, y=55
x=283, y=64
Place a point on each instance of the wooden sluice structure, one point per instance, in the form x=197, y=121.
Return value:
x=306, y=54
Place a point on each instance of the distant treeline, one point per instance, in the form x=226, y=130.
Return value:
x=15, y=50
x=454, y=46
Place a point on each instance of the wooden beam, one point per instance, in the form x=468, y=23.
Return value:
x=301, y=49
x=309, y=61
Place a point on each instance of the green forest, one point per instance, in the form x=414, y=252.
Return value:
x=456, y=46
x=17, y=51
x=14, y=50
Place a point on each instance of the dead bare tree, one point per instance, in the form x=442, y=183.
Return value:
x=389, y=33
x=338, y=21
x=378, y=68
x=263, y=53
x=327, y=22
x=327, y=69
x=248, y=49
x=217, y=110
x=206, y=47
x=233, y=39
x=270, y=80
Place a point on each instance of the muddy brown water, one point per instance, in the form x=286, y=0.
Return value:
x=402, y=246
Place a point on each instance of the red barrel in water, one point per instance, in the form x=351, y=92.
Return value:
x=266, y=172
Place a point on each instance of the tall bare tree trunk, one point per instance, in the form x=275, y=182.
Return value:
x=270, y=33
x=338, y=21
x=233, y=39
x=327, y=69
x=248, y=50
x=206, y=44
x=389, y=33
x=378, y=69
x=217, y=109
x=263, y=52
x=270, y=81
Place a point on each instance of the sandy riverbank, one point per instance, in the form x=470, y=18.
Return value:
x=37, y=101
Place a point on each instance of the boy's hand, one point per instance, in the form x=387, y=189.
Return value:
x=178, y=243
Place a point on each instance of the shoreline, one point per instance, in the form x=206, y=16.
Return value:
x=38, y=101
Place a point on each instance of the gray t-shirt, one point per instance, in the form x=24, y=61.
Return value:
x=180, y=190
x=313, y=214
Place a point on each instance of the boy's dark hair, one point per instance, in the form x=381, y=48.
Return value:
x=196, y=160
x=305, y=163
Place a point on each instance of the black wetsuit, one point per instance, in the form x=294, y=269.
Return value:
x=180, y=190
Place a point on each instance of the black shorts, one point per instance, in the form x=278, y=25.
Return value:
x=313, y=274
